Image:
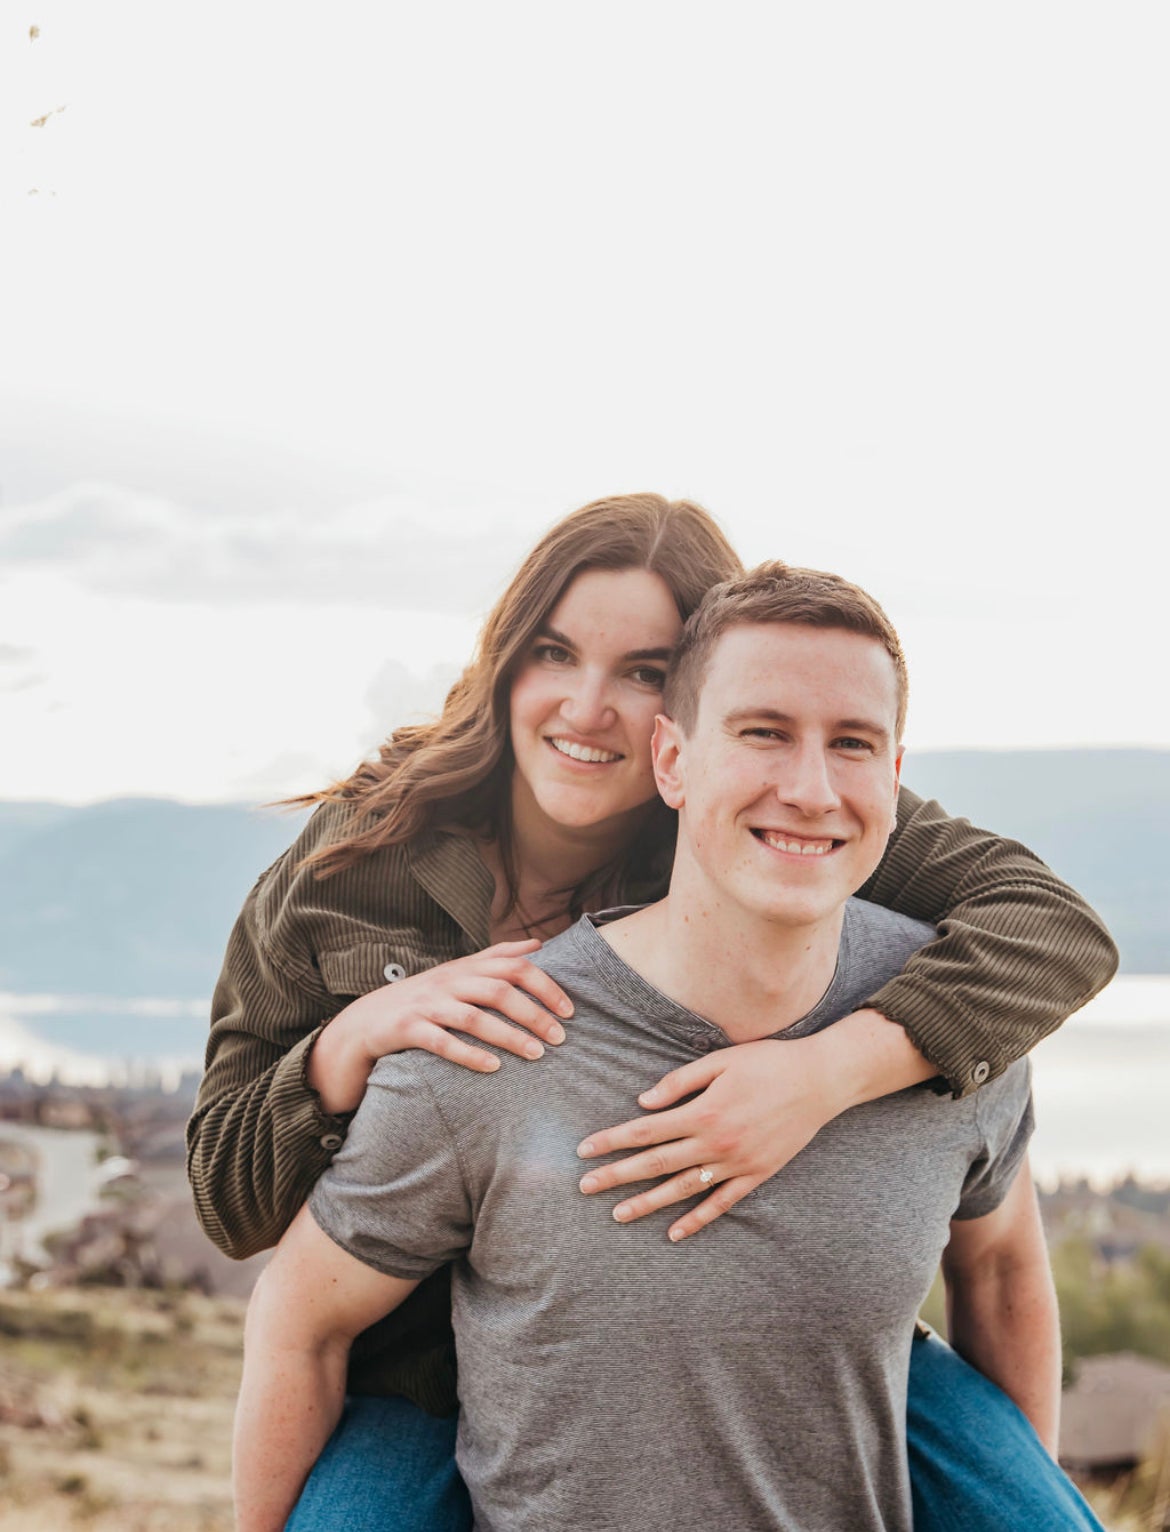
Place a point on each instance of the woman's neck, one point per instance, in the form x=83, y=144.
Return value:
x=548, y=860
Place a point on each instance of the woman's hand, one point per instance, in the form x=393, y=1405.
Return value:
x=428, y=1010
x=759, y=1104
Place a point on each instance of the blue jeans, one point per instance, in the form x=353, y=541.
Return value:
x=388, y=1467
x=976, y=1465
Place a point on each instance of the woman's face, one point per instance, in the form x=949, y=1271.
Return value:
x=584, y=700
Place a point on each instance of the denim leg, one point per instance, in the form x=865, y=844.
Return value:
x=388, y=1467
x=976, y=1464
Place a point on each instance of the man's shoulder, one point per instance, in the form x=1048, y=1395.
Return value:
x=876, y=944
x=877, y=935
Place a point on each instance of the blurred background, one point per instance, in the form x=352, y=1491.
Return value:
x=312, y=322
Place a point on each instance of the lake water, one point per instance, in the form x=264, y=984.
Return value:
x=1102, y=1083
x=68, y=1181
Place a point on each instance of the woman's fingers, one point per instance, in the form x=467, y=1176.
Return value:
x=520, y=976
x=636, y=1134
x=504, y=994
x=659, y=1161
x=688, y=1183
x=696, y=1075
x=449, y=1045
x=721, y=1200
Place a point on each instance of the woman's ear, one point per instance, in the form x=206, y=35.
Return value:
x=666, y=750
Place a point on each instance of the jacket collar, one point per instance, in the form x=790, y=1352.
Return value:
x=447, y=864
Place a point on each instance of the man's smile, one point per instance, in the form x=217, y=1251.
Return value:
x=797, y=845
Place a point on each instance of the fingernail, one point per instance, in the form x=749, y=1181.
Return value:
x=588, y=1183
x=565, y=1007
x=649, y=1095
x=621, y=1212
x=533, y=1050
x=586, y=1149
x=674, y=1236
x=556, y=1033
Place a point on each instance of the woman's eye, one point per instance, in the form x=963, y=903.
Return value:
x=554, y=654
x=649, y=675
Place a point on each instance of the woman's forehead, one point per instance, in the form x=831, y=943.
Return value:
x=634, y=605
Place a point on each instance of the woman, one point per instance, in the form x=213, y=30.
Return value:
x=528, y=800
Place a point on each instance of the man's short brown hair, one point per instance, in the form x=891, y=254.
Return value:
x=770, y=593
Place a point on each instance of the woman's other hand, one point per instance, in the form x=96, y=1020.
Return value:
x=758, y=1105
x=429, y=1010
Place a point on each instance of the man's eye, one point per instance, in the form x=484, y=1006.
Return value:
x=849, y=743
x=761, y=733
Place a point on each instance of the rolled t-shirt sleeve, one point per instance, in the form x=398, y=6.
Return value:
x=1006, y=1123
x=394, y=1196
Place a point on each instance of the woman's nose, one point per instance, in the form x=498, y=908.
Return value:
x=587, y=705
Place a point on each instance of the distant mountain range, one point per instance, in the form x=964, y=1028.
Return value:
x=135, y=897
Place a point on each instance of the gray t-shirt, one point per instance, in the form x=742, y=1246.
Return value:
x=753, y=1376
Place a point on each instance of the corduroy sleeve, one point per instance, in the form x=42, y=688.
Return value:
x=1017, y=951
x=258, y=1139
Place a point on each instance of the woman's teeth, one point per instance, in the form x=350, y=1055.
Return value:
x=582, y=752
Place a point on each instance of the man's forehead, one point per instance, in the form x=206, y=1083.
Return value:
x=763, y=661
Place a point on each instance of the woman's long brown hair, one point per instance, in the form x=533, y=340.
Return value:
x=457, y=769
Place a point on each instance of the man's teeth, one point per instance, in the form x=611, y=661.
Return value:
x=582, y=752
x=797, y=847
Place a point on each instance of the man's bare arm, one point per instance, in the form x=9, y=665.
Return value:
x=309, y=1303
x=1001, y=1304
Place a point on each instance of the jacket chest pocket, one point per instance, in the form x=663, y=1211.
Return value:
x=353, y=971
x=356, y=970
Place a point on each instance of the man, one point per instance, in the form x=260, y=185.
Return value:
x=753, y=1378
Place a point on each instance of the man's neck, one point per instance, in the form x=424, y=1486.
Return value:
x=751, y=977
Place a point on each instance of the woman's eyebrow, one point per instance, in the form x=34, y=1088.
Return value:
x=554, y=635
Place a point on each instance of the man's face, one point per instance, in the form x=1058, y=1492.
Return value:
x=788, y=782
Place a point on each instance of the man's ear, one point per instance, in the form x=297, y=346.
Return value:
x=897, y=785
x=666, y=752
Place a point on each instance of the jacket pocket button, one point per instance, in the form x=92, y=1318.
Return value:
x=393, y=972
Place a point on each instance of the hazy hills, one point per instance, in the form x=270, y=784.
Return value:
x=136, y=897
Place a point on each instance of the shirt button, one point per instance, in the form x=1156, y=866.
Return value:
x=331, y=1141
x=981, y=1072
x=393, y=972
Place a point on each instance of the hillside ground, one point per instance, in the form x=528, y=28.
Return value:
x=115, y=1410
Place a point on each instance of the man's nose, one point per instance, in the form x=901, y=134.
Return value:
x=807, y=784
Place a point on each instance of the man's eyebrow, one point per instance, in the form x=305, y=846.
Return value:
x=549, y=632
x=773, y=715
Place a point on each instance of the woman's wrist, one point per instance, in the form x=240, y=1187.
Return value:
x=338, y=1067
x=869, y=1056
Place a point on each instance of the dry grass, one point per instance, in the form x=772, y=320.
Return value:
x=115, y=1410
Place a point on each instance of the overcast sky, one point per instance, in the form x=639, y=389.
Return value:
x=312, y=319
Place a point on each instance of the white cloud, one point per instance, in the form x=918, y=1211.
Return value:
x=391, y=553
